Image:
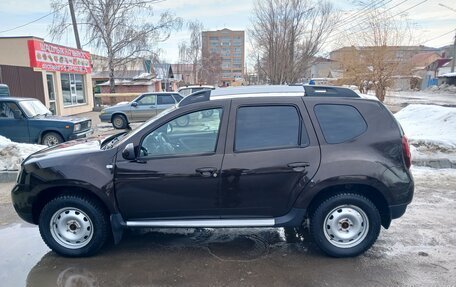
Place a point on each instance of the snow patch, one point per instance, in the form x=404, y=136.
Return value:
x=12, y=154
x=429, y=126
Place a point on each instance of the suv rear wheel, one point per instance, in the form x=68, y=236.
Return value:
x=73, y=226
x=345, y=225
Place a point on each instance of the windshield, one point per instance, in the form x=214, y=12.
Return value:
x=130, y=134
x=34, y=108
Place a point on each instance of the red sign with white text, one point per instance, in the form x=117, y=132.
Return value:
x=52, y=57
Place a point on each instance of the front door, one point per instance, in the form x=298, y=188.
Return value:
x=177, y=172
x=15, y=129
x=145, y=108
x=271, y=154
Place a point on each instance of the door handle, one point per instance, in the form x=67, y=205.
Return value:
x=207, y=171
x=298, y=166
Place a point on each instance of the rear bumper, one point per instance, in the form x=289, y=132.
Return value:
x=83, y=134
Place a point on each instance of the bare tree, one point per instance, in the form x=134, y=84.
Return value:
x=191, y=52
x=288, y=34
x=118, y=28
x=211, y=69
x=374, y=55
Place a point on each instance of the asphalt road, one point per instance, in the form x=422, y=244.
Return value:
x=419, y=249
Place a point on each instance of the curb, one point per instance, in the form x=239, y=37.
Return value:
x=435, y=163
x=8, y=176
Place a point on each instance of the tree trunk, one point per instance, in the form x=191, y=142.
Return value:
x=112, y=83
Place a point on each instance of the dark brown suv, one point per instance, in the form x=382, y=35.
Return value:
x=268, y=156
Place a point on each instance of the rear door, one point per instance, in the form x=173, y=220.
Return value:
x=164, y=101
x=271, y=154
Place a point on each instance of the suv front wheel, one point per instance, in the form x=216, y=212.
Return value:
x=73, y=226
x=345, y=225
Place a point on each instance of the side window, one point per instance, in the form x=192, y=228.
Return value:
x=266, y=127
x=7, y=110
x=339, y=123
x=165, y=100
x=148, y=100
x=178, y=97
x=192, y=133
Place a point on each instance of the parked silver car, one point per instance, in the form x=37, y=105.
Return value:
x=140, y=109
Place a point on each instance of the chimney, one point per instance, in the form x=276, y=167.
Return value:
x=443, y=54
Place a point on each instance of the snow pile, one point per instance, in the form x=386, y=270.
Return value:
x=12, y=154
x=430, y=126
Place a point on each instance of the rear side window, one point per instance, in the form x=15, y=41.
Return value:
x=339, y=123
x=165, y=100
x=177, y=97
x=266, y=127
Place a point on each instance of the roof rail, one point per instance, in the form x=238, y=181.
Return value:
x=329, y=91
x=196, y=97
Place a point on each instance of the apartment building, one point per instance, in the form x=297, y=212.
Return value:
x=229, y=46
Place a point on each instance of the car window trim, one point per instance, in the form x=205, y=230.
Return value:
x=146, y=95
x=182, y=155
x=300, y=131
x=19, y=107
x=337, y=104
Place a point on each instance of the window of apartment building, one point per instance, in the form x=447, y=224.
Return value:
x=237, y=66
x=214, y=44
x=237, y=60
x=72, y=89
x=213, y=38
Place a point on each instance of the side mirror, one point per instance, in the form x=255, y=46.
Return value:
x=17, y=114
x=129, y=152
x=134, y=104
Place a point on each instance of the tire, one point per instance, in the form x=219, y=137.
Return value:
x=183, y=121
x=74, y=226
x=51, y=139
x=345, y=225
x=119, y=122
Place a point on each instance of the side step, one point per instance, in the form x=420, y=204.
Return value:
x=267, y=222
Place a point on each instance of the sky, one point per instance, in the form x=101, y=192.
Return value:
x=434, y=25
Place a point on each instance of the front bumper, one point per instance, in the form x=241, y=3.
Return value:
x=105, y=117
x=80, y=135
x=20, y=196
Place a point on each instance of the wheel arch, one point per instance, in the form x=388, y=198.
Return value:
x=372, y=193
x=44, y=132
x=119, y=113
x=49, y=193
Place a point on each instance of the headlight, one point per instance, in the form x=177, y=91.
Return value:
x=77, y=127
x=89, y=124
x=103, y=112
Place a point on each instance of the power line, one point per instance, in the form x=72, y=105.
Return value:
x=440, y=36
x=366, y=19
x=360, y=15
x=33, y=21
x=401, y=12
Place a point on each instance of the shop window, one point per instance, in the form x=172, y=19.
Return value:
x=73, y=89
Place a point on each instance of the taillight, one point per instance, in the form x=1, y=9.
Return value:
x=406, y=151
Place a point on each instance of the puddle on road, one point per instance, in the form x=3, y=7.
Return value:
x=192, y=257
x=144, y=256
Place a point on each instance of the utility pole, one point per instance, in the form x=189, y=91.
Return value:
x=454, y=53
x=75, y=26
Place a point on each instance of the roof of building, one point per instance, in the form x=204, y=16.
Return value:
x=424, y=59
